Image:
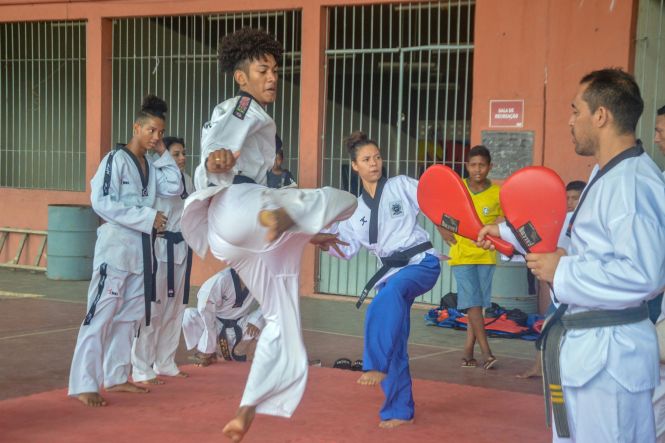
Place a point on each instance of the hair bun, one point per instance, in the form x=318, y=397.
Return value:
x=356, y=138
x=154, y=105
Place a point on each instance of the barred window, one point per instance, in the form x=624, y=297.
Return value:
x=42, y=105
x=402, y=73
x=176, y=59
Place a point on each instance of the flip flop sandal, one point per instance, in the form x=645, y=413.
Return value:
x=357, y=365
x=201, y=360
x=342, y=363
x=469, y=363
x=490, y=362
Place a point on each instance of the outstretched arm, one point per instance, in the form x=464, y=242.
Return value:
x=326, y=241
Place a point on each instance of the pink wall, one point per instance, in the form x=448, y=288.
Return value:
x=538, y=51
x=534, y=50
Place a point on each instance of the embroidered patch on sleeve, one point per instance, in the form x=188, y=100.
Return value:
x=396, y=209
x=242, y=106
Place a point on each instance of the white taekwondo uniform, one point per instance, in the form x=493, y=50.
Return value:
x=397, y=224
x=615, y=260
x=217, y=299
x=153, y=351
x=125, y=199
x=225, y=216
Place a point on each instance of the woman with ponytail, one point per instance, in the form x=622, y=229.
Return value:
x=124, y=191
x=385, y=222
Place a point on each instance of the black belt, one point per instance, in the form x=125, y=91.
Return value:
x=396, y=260
x=172, y=239
x=550, y=341
x=148, y=273
x=237, y=179
x=224, y=342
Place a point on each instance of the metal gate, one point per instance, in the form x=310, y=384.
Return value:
x=176, y=59
x=650, y=69
x=42, y=105
x=401, y=73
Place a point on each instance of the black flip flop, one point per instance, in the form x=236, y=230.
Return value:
x=357, y=365
x=342, y=363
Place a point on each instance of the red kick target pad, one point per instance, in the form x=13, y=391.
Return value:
x=533, y=200
x=444, y=199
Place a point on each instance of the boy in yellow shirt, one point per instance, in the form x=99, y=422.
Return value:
x=473, y=267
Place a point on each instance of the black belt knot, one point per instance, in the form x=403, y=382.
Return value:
x=396, y=260
x=224, y=342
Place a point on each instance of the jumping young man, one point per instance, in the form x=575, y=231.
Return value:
x=259, y=231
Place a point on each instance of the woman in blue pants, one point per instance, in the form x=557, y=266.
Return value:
x=385, y=222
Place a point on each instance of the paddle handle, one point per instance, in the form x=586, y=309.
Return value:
x=502, y=246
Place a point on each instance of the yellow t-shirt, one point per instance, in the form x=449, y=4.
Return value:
x=465, y=252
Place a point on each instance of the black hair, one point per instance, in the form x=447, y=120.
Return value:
x=617, y=91
x=661, y=111
x=355, y=141
x=279, y=153
x=152, y=107
x=480, y=150
x=245, y=45
x=168, y=141
x=576, y=185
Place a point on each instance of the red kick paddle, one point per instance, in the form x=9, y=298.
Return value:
x=444, y=199
x=533, y=200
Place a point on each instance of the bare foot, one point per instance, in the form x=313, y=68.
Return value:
x=277, y=221
x=390, y=424
x=152, y=381
x=91, y=399
x=128, y=387
x=533, y=371
x=182, y=374
x=371, y=378
x=247, y=347
x=239, y=425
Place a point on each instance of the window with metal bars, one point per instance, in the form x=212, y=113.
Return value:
x=42, y=105
x=176, y=59
x=650, y=69
x=402, y=73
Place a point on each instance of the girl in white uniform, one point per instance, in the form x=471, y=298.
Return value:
x=124, y=190
x=238, y=148
x=153, y=351
x=385, y=223
x=224, y=303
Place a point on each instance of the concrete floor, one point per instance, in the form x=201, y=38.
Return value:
x=39, y=321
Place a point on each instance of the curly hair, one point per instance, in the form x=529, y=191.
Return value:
x=152, y=106
x=245, y=45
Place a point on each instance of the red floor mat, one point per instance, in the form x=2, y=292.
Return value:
x=334, y=409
